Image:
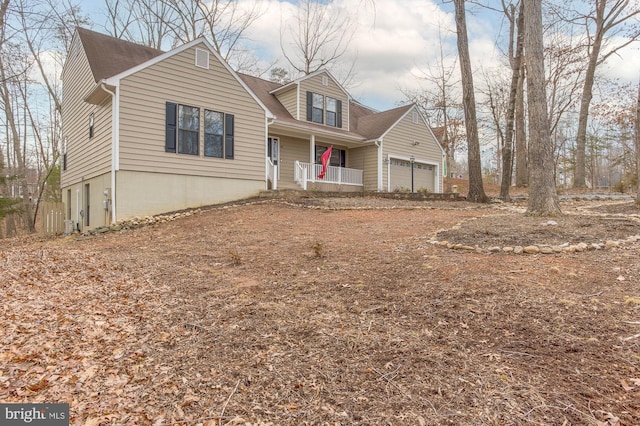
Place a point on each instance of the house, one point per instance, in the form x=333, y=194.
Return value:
x=147, y=132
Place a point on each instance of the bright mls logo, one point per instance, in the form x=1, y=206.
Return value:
x=34, y=414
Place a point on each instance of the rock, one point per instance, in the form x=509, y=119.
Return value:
x=493, y=249
x=546, y=250
x=552, y=223
x=518, y=250
x=611, y=244
x=531, y=249
x=557, y=249
x=467, y=248
x=508, y=249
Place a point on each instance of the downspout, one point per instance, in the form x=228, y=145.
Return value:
x=379, y=145
x=267, y=122
x=115, y=139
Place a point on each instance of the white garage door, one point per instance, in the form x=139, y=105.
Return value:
x=400, y=176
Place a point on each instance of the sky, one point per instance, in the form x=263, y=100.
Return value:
x=394, y=43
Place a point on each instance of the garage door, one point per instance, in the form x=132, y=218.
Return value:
x=400, y=176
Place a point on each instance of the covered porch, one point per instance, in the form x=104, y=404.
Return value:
x=293, y=161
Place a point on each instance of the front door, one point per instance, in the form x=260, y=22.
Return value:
x=272, y=150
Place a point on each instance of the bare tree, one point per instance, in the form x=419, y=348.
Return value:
x=543, y=199
x=439, y=104
x=637, y=146
x=174, y=22
x=609, y=18
x=476, y=187
x=522, y=150
x=516, y=37
x=315, y=38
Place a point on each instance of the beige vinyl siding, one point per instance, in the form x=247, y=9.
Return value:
x=366, y=159
x=399, y=142
x=314, y=84
x=292, y=150
x=98, y=216
x=86, y=158
x=144, y=194
x=289, y=99
x=143, y=97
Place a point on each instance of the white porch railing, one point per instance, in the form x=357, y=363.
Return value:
x=307, y=172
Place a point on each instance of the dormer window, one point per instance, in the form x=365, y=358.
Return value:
x=332, y=110
x=323, y=109
x=317, y=108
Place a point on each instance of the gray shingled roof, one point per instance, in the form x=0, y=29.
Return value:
x=365, y=122
x=375, y=125
x=109, y=56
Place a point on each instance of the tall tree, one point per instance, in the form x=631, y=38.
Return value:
x=441, y=105
x=522, y=149
x=609, y=18
x=516, y=37
x=476, y=187
x=543, y=199
x=637, y=143
x=173, y=22
x=317, y=37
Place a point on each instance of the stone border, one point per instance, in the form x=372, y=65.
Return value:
x=543, y=248
x=539, y=248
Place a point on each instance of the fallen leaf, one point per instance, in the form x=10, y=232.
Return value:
x=626, y=385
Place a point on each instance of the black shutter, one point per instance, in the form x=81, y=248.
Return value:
x=339, y=114
x=64, y=161
x=171, y=121
x=228, y=136
x=309, y=106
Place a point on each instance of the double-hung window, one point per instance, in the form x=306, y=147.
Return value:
x=183, y=131
x=317, y=108
x=188, y=130
x=213, y=134
x=332, y=111
x=324, y=110
x=338, y=156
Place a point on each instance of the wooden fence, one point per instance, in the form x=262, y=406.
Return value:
x=50, y=219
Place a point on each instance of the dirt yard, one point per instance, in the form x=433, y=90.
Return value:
x=331, y=311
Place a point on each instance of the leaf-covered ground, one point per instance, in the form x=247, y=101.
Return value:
x=278, y=313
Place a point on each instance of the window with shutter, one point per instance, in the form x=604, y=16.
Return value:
x=229, y=136
x=170, y=135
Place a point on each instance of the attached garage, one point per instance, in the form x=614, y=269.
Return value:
x=400, y=172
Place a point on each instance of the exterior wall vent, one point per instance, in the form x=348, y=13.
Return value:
x=202, y=58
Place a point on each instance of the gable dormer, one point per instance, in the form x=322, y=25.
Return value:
x=316, y=98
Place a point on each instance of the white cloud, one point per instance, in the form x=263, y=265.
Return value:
x=393, y=43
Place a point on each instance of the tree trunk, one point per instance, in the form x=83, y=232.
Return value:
x=637, y=143
x=522, y=152
x=476, y=189
x=543, y=199
x=515, y=61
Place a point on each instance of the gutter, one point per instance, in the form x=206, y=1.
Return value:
x=115, y=142
x=378, y=143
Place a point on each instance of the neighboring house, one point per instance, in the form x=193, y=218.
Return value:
x=147, y=132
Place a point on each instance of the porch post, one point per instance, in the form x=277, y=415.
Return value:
x=380, y=164
x=312, y=157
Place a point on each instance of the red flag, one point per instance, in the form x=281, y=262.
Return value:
x=325, y=162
